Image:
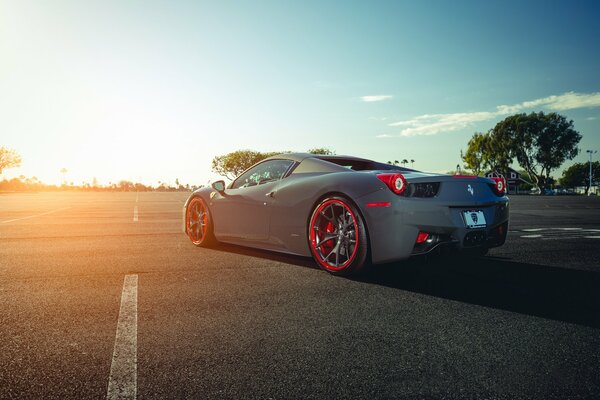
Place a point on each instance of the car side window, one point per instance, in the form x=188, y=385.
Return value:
x=264, y=172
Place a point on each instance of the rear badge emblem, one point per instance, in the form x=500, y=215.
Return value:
x=470, y=189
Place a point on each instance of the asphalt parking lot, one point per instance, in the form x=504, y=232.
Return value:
x=102, y=296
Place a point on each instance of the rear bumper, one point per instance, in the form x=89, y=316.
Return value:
x=393, y=230
x=472, y=239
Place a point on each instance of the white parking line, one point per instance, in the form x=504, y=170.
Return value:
x=33, y=216
x=135, y=214
x=558, y=233
x=122, y=382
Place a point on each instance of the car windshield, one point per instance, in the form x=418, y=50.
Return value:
x=264, y=172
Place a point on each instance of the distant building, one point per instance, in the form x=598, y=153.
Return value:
x=513, y=179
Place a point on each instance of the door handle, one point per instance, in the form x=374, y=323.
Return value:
x=270, y=194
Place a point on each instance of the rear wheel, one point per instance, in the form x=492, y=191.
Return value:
x=198, y=223
x=337, y=237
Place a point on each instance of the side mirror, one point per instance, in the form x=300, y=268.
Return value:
x=219, y=186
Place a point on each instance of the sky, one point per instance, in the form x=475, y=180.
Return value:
x=151, y=91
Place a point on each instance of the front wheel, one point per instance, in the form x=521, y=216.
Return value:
x=198, y=223
x=337, y=237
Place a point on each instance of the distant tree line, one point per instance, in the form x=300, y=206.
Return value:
x=10, y=158
x=23, y=184
x=578, y=175
x=404, y=162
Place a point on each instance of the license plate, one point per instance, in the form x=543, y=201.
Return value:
x=474, y=219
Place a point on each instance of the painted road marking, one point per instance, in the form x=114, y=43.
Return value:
x=135, y=214
x=122, y=382
x=33, y=216
x=558, y=233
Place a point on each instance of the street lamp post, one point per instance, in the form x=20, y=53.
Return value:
x=590, y=152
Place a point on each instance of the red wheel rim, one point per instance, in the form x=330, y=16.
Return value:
x=334, y=235
x=197, y=220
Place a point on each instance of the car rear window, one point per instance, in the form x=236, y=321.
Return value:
x=362, y=165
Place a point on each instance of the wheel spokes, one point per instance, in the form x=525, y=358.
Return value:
x=336, y=222
x=197, y=222
x=327, y=238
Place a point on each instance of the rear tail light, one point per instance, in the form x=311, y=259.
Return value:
x=396, y=182
x=499, y=186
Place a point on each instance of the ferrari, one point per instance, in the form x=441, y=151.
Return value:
x=349, y=212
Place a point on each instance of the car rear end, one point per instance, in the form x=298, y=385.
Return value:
x=415, y=214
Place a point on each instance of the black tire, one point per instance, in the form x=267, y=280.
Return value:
x=337, y=237
x=199, y=224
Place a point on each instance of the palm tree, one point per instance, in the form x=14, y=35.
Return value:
x=412, y=162
x=64, y=171
x=404, y=162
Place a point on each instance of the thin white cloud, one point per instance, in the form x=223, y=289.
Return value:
x=425, y=125
x=432, y=124
x=374, y=98
x=567, y=101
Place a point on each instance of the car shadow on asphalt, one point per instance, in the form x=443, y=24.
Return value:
x=268, y=255
x=561, y=294
x=543, y=291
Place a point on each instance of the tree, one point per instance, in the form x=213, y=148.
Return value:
x=125, y=186
x=487, y=151
x=8, y=158
x=540, y=143
x=579, y=175
x=412, y=163
x=498, y=154
x=404, y=162
x=322, y=151
x=233, y=164
x=476, y=158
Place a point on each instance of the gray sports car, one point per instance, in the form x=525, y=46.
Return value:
x=347, y=212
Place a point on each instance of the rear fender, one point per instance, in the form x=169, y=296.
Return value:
x=297, y=197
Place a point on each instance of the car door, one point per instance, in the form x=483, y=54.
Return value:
x=243, y=211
